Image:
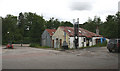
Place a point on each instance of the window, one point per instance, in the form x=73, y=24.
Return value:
x=84, y=40
x=91, y=40
x=53, y=32
x=80, y=31
x=69, y=31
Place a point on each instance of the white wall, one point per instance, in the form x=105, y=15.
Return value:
x=94, y=40
x=71, y=42
x=81, y=42
x=90, y=43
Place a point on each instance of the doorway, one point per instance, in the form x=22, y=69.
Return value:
x=53, y=43
x=60, y=43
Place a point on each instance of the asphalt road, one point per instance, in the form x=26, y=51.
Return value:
x=34, y=58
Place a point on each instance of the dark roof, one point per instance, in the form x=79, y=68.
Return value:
x=82, y=32
x=51, y=31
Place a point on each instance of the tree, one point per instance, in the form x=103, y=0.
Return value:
x=66, y=23
x=52, y=23
x=21, y=26
x=91, y=25
x=37, y=28
x=8, y=25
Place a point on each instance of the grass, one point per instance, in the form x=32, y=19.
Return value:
x=35, y=45
x=100, y=44
x=97, y=45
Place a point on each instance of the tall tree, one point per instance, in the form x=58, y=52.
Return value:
x=8, y=28
x=21, y=26
x=37, y=28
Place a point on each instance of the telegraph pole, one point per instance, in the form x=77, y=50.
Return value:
x=76, y=33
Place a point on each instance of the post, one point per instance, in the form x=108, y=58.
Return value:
x=76, y=33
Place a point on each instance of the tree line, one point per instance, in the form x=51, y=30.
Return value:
x=28, y=27
x=108, y=29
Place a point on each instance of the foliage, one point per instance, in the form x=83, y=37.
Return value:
x=91, y=25
x=8, y=28
x=28, y=28
x=66, y=23
x=108, y=29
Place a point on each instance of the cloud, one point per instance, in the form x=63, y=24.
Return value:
x=119, y=6
x=81, y=6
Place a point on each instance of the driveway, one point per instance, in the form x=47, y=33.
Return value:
x=35, y=58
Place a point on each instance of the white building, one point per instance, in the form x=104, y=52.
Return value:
x=86, y=38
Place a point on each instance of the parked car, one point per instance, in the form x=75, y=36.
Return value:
x=114, y=45
x=9, y=46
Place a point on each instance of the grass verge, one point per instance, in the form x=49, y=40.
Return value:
x=35, y=45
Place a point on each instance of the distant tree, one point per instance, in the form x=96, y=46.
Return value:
x=52, y=23
x=91, y=25
x=66, y=23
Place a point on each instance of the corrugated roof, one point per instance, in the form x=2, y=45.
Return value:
x=82, y=32
x=51, y=31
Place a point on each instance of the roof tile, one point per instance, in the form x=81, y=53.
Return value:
x=83, y=32
x=51, y=31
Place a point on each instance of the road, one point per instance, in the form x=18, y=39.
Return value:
x=35, y=58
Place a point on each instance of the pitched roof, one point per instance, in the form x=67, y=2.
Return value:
x=51, y=31
x=82, y=32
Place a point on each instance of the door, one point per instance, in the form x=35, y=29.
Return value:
x=53, y=43
x=87, y=42
x=60, y=43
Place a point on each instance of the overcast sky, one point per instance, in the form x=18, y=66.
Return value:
x=64, y=10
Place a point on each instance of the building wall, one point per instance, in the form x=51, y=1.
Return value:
x=81, y=42
x=46, y=39
x=59, y=34
x=94, y=40
x=71, y=42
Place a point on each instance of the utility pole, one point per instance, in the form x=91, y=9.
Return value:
x=76, y=33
